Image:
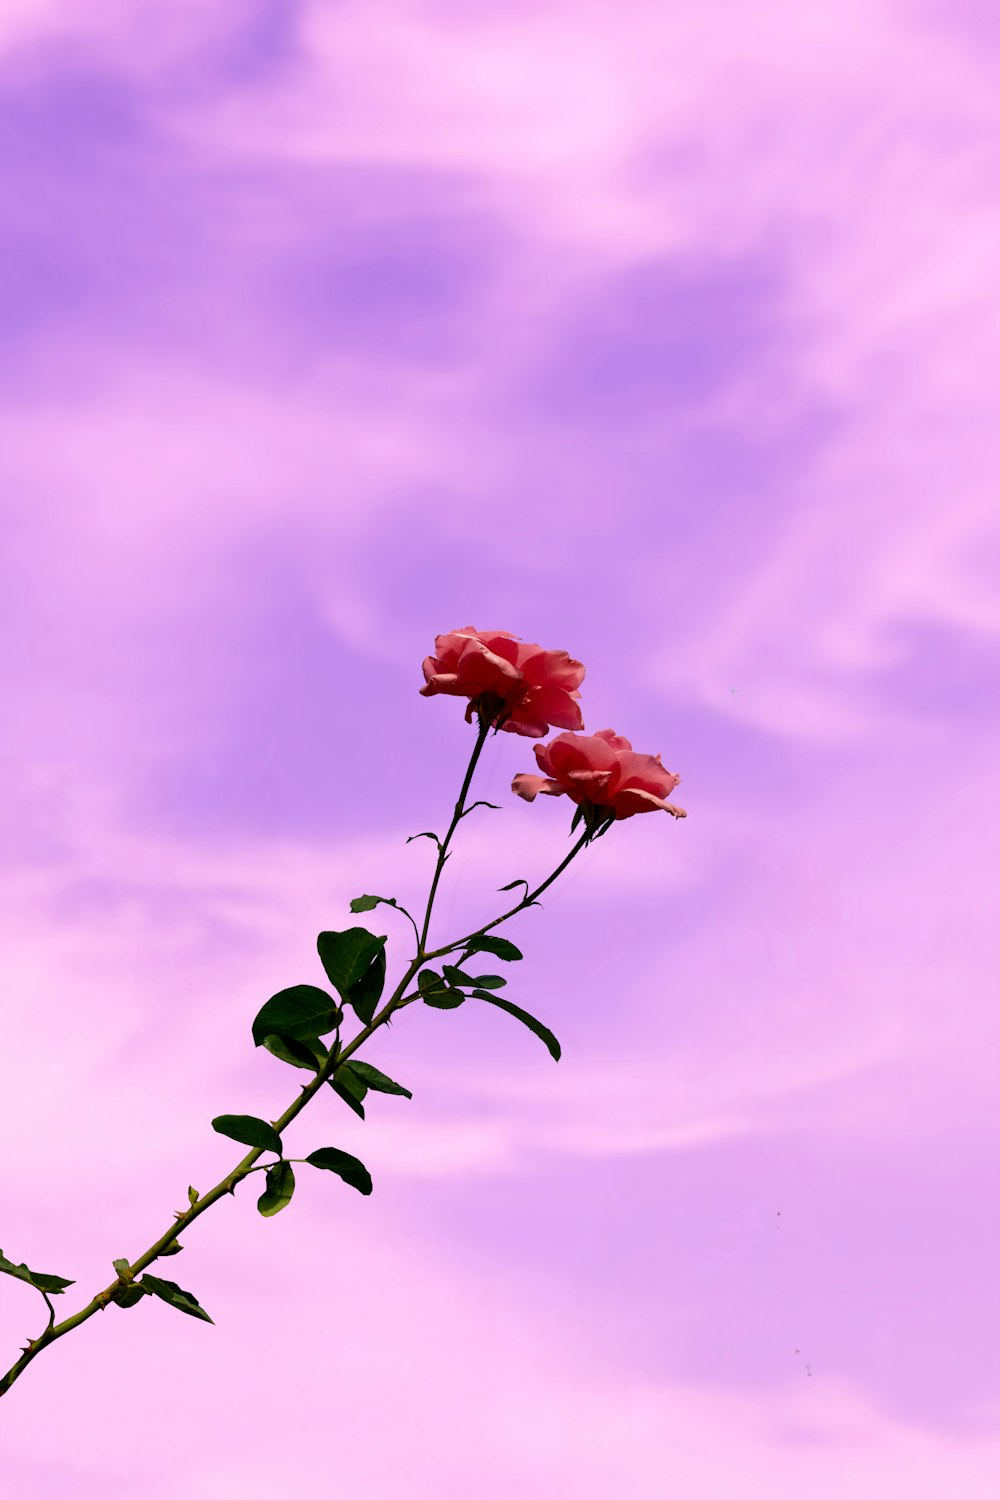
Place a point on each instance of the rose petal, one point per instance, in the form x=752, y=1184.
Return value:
x=527, y=786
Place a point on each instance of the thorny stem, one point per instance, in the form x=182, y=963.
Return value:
x=337, y=1056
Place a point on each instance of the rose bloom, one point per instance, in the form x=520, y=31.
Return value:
x=603, y=770
x=510, y=683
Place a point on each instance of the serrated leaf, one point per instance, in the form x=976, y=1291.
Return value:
x=488, y=981
x=128, y=1296
x=377, y=1081
x=347, y=1167
x=354, y=961
x=445, y=999
x=277, y=1194
x=525, y=1018
x=485, y=942
x=302, y=1011
x=454, y=976
x=249, y=1131
x=38, y=1279
x=311, y=1054
x=174, y=1296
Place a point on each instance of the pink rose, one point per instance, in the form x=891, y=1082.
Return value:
x=514, y=685
x=601, y=771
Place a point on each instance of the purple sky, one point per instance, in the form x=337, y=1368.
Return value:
x=664, y=337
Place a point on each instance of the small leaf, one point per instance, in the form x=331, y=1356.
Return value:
x=445, y=999
x=527, y=1020
x=576, y=818
x=369, y=903
x=38, y=1279
x=249, y=1131
x=376, y=1081
x=174, y=1296
x=500, y=947
x=353, y=1172
x=454, y=976
x=481, y=803
x=122, y=1266
x=511, y=884
x=354, y=961
x=435, y=992
x=424, y=836
x=302, y=1012
x=277, y=1194
x=311, y=1054
x=349, y=1088
x=128, y=1296
x=174, y=1248
x=192, y=1196
x=488, y=981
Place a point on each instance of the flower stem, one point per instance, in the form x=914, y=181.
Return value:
x=338, y=1055
x=456, y=819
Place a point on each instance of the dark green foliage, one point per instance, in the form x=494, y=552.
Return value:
x=485, y=942
x=249, y=1131
x=311, y=1054
x=347, y=1167
x=128, y=1296
x=375, y=1080
x=277, y=1194
x=301, y=1012
x=526, y=1020
x=354, y=961
x=174, y=1296
x=38, y=1279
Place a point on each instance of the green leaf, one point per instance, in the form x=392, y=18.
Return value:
x=311, y=1054
x=455, y=976
x=122, y=1266
x=485, y=942
x=445, y=999
x=355, y=964
x=277, y=1194
x=376, y=1081
x=350, y=1088
x=369, y=903
x=481, y=803
x=424, y=836
x=488, y=981
x=302, y=1012
x=38, y=1279
x=128, y=1296
x=174, y=1248
x=174, y=1296
x=527, y=1020
x=249, y=1131
x=353, y=1172
x=435, y=992
x=192, y=1196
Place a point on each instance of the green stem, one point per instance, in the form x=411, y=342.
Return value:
x=338, y=1055
x=526, y=901
x=456, y=819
